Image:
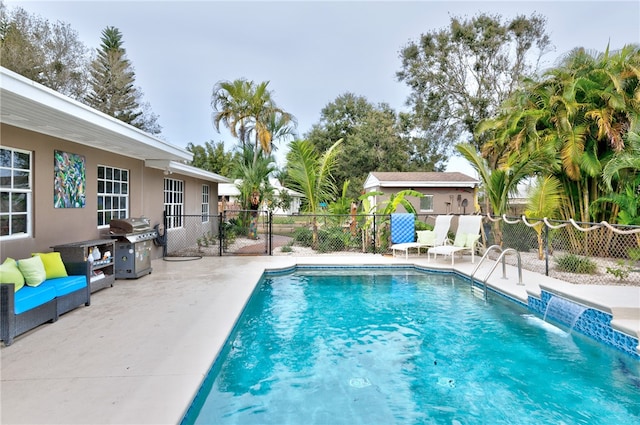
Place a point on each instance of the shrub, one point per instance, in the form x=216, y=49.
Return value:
x=622, y=270
x=286, y=248
x=331, y=240
x=421, y=225
x=576, y=264
x=229, y=231
x=303, y=236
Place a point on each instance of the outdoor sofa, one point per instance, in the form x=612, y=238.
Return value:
x=38, y=290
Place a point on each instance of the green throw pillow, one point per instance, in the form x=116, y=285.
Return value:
x=471, y=240
x=10, y=273
x=427, y=237
x=460, y=240
x=33, y=270
x=53, y=265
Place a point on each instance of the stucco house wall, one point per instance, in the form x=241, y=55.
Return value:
x=32, y=118
x=450, y=192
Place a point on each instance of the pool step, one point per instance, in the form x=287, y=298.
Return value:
x=478, y=291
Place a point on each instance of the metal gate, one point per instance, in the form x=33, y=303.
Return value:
x=245, y=232
x=232, y=232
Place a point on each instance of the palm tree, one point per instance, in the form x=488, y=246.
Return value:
x=499, y=183
x=545, y=201
x=311, y=175
x=247, y=109
x=281, y=126
x=254, y=176
x=582, y=110
x=254, y=184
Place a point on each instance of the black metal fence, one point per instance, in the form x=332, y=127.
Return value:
x=586, y=253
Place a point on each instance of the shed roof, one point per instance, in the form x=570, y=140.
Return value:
x=419, y=179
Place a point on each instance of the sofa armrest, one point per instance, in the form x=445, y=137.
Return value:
x=81, y=268
x=7, y=316
x=78, y=268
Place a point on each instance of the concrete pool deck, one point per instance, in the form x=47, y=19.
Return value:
x=138, y=354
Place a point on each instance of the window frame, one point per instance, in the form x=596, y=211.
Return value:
x=425, y=198
x=173, y=201
x=206, y=196
x=11, y=191
x=121, y=212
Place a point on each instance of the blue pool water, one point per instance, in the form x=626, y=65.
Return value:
x=382, y=346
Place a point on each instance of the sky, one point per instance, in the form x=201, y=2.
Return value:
x=310, y=52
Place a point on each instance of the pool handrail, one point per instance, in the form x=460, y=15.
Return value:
x=504, y=266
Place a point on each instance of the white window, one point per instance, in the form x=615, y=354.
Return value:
x=173, y=202
x=113, y=194
x=426, y=203
x=15, y=193
x=205, y=203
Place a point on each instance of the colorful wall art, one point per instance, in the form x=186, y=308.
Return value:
x=68, y=180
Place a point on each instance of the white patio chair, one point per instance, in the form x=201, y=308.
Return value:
x=426, y=238
x=466, y=239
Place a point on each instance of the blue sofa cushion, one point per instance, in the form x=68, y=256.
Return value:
x=68, y=284
x=30, y=297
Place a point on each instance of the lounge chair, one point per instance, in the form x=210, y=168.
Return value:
x=466, y=239
x=426, y=238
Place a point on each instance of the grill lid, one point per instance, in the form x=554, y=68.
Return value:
x=119, y=226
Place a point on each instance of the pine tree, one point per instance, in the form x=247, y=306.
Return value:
x=113, y=89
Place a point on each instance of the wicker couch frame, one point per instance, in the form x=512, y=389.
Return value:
x=12, y=325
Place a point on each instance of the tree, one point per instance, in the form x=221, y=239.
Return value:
x=212, y=157
x=249, y=112
x=254, y=176
x=311, y=175
x=113, y=89
x=48, y=53
x=499, y=183
x=624, y=170
x=585, y=112
x=545, y=201
x=460, y=75
x=427, y=144
x=374, y=139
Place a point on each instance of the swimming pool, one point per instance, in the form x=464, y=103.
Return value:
x=399, y=346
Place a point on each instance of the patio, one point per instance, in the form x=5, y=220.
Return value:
x=138, y=354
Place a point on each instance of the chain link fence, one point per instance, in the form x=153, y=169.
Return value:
x=192, y=235
x=233, y=232
x=584, y=253
x=581, y=253
x=331, y=233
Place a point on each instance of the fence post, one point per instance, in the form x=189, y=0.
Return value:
x=220, y=233
x=373, y=238
x=546, y=249
x=270, y=231
x=165, y=223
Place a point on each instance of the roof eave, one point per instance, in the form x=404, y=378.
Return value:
x=170, y=167
x=31, y=106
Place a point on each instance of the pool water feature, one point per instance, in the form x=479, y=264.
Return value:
x=399, y=346
x=564, y=311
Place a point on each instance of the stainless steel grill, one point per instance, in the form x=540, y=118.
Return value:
x=133, y=246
